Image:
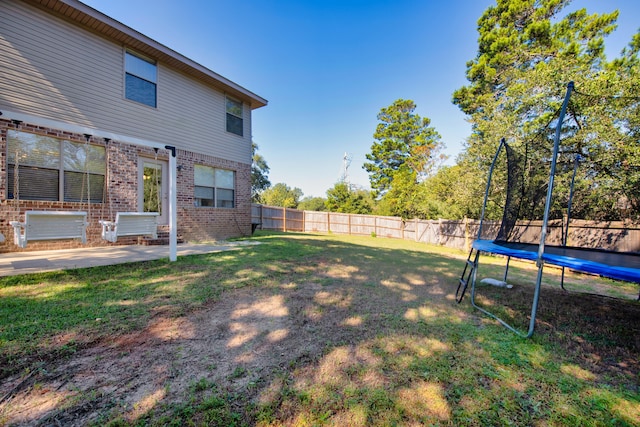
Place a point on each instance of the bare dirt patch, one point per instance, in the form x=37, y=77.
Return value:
x=240, y=343
x=243, y=333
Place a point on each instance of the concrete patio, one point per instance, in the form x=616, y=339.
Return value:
x=16, y=263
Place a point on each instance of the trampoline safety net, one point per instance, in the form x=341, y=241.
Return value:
x=583, y=165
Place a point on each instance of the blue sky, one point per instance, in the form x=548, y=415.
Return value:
x=327, y=67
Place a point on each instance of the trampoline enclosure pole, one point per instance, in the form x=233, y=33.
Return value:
x=547, y=208
x=486, y=191
x=554, y=159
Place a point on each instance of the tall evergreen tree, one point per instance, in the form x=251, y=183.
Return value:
x=527, y=53
x=402, y=138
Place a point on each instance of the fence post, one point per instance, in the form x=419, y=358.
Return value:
x=284, y=219
x=328, y=222
x=261, y=217
x=466, y=234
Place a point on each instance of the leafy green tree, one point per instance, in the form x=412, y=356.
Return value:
x=526, y=55
x=312, y=204
x=402, y=138
x=259, y=174
x=341, y=198
x=527, y=52
x=519, y=39
x=623, y=131
x=453, y=191
x=281, y=195
x=405, y=198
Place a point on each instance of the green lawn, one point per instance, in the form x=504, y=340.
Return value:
x=361, y=331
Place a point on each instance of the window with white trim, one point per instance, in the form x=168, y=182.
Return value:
x=214, y=187
x=234, y=116
x=140, y=79
x=54, y=169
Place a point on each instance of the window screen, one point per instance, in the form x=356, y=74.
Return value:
x=140, y=80
x=45, y=165
x=84, y=172
x=214, y=187
x=204, y=182
x=234, y=117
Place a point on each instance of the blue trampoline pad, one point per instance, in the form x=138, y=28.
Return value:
x=615, y=265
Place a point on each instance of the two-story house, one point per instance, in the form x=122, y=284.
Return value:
x=91, y=113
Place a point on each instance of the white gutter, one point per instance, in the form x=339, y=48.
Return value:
x=173, y=197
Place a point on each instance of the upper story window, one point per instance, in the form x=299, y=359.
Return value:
x=140, y=79
x=46, y=168
x=234, y=116
x=214, y=187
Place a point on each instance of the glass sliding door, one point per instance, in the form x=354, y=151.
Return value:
x=154, y=190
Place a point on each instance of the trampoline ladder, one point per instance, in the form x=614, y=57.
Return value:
x=467, y=274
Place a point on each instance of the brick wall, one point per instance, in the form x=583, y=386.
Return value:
x=202, y=223
x=194, y=223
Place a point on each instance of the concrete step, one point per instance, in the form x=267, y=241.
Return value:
x=162, y=239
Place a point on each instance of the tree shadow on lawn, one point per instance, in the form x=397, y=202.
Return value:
x=304, y=330
x=601, y=333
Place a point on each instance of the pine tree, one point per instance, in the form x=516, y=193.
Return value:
x=402, y=138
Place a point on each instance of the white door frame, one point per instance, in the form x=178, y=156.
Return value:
x=163, y=219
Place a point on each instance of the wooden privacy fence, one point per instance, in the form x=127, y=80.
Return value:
x=623, y=236
x=276, y=218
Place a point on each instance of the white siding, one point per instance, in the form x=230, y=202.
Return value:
x=55, y=70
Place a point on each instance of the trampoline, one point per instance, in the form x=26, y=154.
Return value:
x=614, y=265
x=532, y=168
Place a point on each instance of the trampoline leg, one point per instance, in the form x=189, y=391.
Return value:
x=488, y=313
x=474, y=275
x=506, y=269
x=534, y=305
x=562, y=280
